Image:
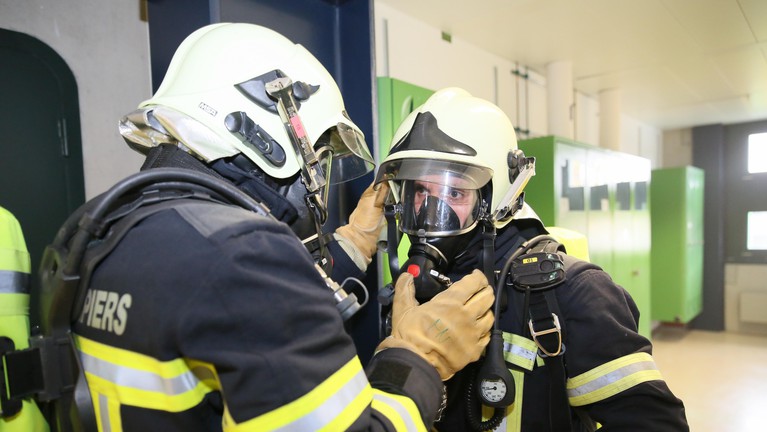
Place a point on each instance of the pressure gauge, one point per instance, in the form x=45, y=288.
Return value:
x=492, y=390
x=494, y=382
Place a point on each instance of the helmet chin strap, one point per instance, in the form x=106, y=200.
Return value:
x=319, y=210
x=487, y=223
x=488, y=249
x=317, y=243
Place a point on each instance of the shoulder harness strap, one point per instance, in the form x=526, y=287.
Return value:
x=537, y=273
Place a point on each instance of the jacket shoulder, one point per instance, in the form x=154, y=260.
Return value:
x=209, y=218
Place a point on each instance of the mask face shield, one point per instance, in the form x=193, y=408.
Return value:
x=437, y=198
x=434, y=209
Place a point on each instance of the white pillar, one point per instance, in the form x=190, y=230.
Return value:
x=610, y=119
x=559, y=88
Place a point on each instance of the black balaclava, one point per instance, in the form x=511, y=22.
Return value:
x=283, y=197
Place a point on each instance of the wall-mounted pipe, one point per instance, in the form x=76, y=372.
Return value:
x=524, y=75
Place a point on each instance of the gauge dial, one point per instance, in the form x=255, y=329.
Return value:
x=493, y=390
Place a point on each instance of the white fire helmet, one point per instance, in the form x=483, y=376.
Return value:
x=454, y=162
x=213, y=101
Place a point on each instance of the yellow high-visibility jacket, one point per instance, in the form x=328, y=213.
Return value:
x=14, y=312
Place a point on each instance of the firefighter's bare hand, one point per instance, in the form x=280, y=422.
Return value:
x=366, y=220
x=450, y=330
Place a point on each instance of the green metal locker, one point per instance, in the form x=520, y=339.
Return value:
x=677, y=243
x=604, y=195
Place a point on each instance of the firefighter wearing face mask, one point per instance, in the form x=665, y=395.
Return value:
x=198, y=315
x=459, y=179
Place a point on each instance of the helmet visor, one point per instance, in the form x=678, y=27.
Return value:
x=343, y=154
x=421, y=168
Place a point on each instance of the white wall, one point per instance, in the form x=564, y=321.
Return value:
x=586, y=118
x=745, y=298
x=413, y=51
x=677, y=148
x=107, y=47
x=642, y=140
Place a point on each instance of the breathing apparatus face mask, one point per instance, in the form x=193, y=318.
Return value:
x=434, y=209
x=438, y=213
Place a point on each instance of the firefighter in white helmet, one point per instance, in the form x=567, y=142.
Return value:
x=200, y=315
x=565, y=353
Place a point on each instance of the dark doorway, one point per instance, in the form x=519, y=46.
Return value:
x=41, y=162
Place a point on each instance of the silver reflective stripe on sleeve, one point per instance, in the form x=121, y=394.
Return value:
x=333, y=407
x=405, y=416
x=13, y=282
x=139, y=379
x=334, y=404
x=612, y=378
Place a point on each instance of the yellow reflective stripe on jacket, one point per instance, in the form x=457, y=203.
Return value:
x=612, y=378
x=13, y=282
x=142, y=381
x=512, y=422
x=519, y=350
x=332, y=406
x=399, y=410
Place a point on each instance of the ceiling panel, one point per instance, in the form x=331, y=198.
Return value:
x=702, y=79
x=744, y=68
x=666, y=56
x=714, y=25
x=756, y=15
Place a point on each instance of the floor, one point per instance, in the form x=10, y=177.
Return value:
x=721, y=377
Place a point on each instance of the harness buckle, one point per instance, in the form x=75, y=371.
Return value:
x=557, y=329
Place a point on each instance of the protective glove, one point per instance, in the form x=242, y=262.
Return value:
x=364, y=225
x=450, y=330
